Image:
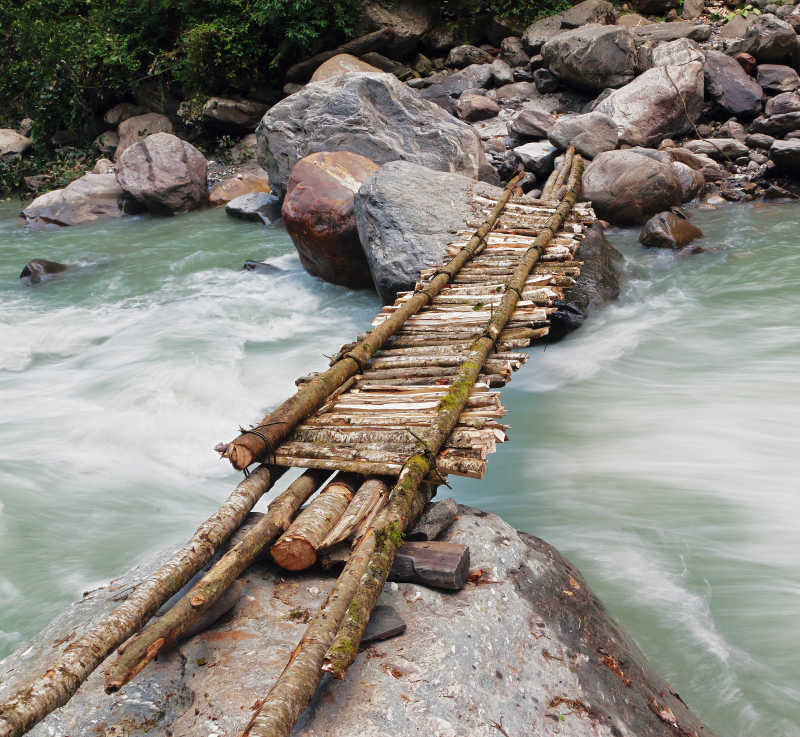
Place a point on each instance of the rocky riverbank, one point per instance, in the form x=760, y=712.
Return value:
x=525, y=648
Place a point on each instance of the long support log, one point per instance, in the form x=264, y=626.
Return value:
x=345, y=646
x=360, y=583
x=258, y=442
x=169, y=629
x=34, y=700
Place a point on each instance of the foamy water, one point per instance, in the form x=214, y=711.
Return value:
x=654, y=447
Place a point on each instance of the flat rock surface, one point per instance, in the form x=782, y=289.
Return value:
x=525, y=646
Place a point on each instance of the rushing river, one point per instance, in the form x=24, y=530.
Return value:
x=655, y=447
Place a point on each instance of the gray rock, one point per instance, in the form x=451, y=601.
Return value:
x=502, y=73
x=543, y=645
x=13, y=144
x=446, y=90
x=589, y=11
x=719, y=149
x=786, y=102
x=668, y=230
x=138, y=128
x=778, y=125
x=87, y=199
x=518, y=91
x=531, y=122
x=759, y=140
x=679, y=51
x=776, y=78
x=732, y=129
x=650, y=108
x=786, y=155
x=466, y=54
x=691, y=181
x=591, y=133
x=261, y=267
x=769, y=39
x=539, y=33
x=545, y=81
x=537, y=157
x=592, y=57
x=256, y=206
x=672, y=31
x=374, y=115
x=731, y=88
x=164, y=174
x=513, y=52
x=472, y=107
x=626, y=187
x=408, y=20
x=234, y=115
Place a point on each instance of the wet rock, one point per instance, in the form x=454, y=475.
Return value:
x=40, y=268
x=340, y=64
x=691, y=181
x=626, y=187
x=87, y=199
x=539, y=33
x=374, y=115
x=318, y=212
x=719, y=149
x=531, y=122
x=537, y=157
x=261, y=267
x=592, y=57
x=472, y=107
x=138, y=128
x=545, y=81
x=256, y=206
x=548, y=645
x=241, y=184
x=776, y=78
x=466, y=54
x=668, y=230
x=769, y=39
x=233, y=115
x=651, y=107
x=598, y=283
x=513, y=53
x=13, y=144
x=123, y=111
x=672, y=31
x=164, y=174
x=502, y=73
x=404, y=212
x=731, y=88
x=591, y=133
x=786, y=155
x=589, y=11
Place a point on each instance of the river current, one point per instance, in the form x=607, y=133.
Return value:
x=655, y=447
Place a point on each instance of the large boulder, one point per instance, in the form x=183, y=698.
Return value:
x=235, y=115
x=626, y=187
x=340, y=64
x=241, y=184
x=592, y=57
x=138, y=128
x=319, y=216
x=665, y=53
x=526, y=641
x=769, y=39
x=656, y=104
x=90, y=198
x=731, y=88
x=12, y=144
x=668, y=230
x=409, y=21
x=374, y=115
x=164, y=174
x=590, y=133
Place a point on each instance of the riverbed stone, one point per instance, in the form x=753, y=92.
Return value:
x=138, y=127
x=448, y=87
x=786, y=102
x=374, y=115
x=87, y=199
x=719, y=149
x=341, y=64
x=466, y=54
x=531, y=122
x=38, y=269
x=668, y=230
x=672, y=31
x=240, y=184
x=736, y=27
x=731, y=88
x=777, y=78
x=626, y=187
x=164, y=174
x=473, y=107
x=318, y=212
x=235, y=115
x=512, y=52
x=537, y=34
x=592, y=57
x=256, y=206
x=502, y=73
x=691, y=181
x=769, y=39
x=666, y=53
x=590, y=133
x=786, y=155
x=651, y=107
x=537, y=157
x=589, y=11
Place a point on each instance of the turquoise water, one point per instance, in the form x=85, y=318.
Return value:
x=654, y=447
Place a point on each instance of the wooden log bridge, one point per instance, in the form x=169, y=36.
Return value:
x=409, y=403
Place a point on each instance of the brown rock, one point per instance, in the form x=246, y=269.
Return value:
x=631, y=20
x=341, y=64
x=691, y=181
x=668, y=230
x=138, y=128
x=245, y=183
x=746, y=62
x=165, y=174
x=472, y=107
x=318, y=213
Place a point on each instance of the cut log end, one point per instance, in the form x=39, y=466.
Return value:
x=294, y=554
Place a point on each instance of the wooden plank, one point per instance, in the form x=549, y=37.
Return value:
x=439, y=565
x=435, y=519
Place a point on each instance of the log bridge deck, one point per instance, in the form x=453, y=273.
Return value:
x=409, y=403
